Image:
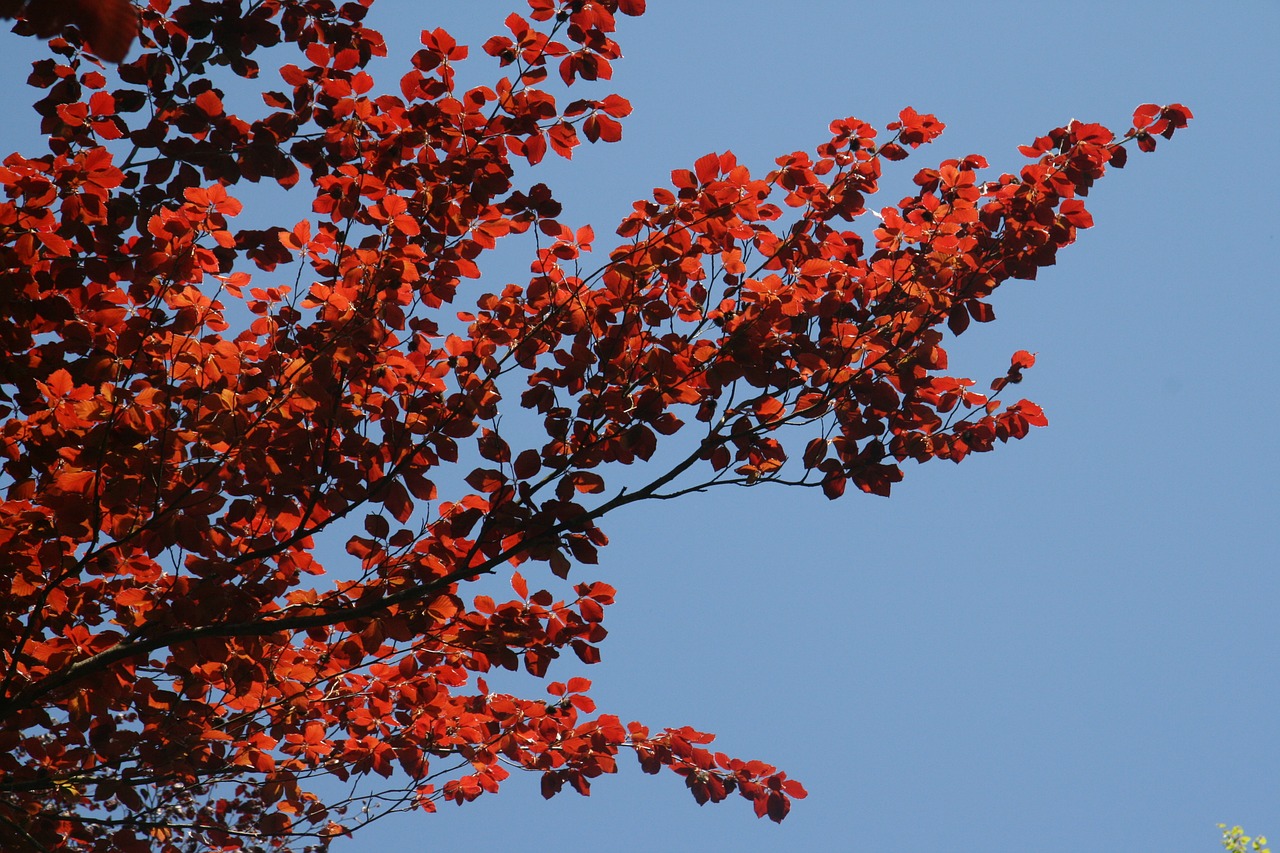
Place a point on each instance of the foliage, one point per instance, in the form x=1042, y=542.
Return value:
x=191, y=409
x=1235, y=841
x=108, y=26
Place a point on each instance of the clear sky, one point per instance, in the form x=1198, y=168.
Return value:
x=1067, y=645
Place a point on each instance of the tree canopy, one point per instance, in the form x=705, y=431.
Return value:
x=258, y=479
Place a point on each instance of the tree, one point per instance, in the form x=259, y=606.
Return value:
x=260, y=481
x=1235, y=841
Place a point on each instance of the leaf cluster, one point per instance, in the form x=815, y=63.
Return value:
x=190, y=407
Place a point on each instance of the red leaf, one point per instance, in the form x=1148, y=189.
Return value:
x=377, y=526
x=486, y=480
x=1145, y=115
x=209, y=103
x=769, y=409
x=586, y=653
x=591, y=610
x=73, y=482
x=102, y=104
x=778, y=806
x=420, y=487
x=587, y=482
x=535, y=148
x=1177, y=115
x=398, y=502
x=707, y=168
x=601, y=127
x=527, y=464
x=616, y=106
x=58, y=384
x=1073, y=210
x=131, y=597
x=893, y=151
x=794, y=789
x=563, y=139
x=583, y=551
x=833, y=484
x=493, y=448
x=982, y=312
x=552, y=784
x=1033, y=413
x=497, y=45
x=815, y=451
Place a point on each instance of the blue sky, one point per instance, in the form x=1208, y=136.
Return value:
x=1067, y=645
